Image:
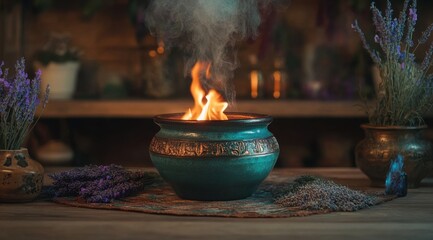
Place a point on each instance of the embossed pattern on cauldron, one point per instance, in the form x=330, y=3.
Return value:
x=382, y=144
x=181, y=148
x=214, y=160
x=21, y=177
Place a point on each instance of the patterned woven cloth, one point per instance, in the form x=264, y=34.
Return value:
x=159, y=198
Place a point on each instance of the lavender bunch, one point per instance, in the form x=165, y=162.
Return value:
x=405, y=92
x=100, y=184
x=19, y=99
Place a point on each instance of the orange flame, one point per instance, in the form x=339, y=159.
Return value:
x=208, y=106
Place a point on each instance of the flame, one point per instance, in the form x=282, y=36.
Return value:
x=208, y=106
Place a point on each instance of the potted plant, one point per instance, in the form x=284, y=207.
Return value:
x=59, y=62
x=405, y=93
x=20, y=176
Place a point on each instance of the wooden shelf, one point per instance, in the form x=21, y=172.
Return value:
x=150, y=108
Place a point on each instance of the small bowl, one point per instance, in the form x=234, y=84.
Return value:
x=214, y=160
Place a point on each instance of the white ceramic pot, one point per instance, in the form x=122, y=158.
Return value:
x=62, y=78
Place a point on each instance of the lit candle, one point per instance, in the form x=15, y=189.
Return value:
x=256, y=78
x=152, y=53
x=254, y=75
x=160, y=48
x=277, y=84
x=279, y=79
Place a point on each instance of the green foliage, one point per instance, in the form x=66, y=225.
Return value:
x=45, y=57
x=57, y=49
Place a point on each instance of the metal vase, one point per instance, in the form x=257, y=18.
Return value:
x=214, y=160
x=21, y=177
x=382, y=144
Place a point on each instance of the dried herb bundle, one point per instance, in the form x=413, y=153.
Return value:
x=318, y=194
x=100, y=184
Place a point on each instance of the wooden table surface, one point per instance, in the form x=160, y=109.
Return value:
x=410, y=217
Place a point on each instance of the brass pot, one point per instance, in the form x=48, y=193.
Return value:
x=21, y=177
x=382, y=144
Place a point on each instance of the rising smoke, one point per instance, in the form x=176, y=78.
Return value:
x=206, y=30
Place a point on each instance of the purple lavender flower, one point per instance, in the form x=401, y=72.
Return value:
x=100, y=183
x=400, y=55
x=426, y=63
x=116, y=192
x=88, y=173
x=413, y=15
x=394, y=27
x=4, y=90
x=426, y=34
x=402, y=103
x=47, y=94
x=374, y=55
x=402, y=20
x=381, y=27
x=19, y=101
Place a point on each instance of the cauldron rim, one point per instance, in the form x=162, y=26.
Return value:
x=248, y=118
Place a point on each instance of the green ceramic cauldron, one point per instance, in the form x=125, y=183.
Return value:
x=214, y=160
